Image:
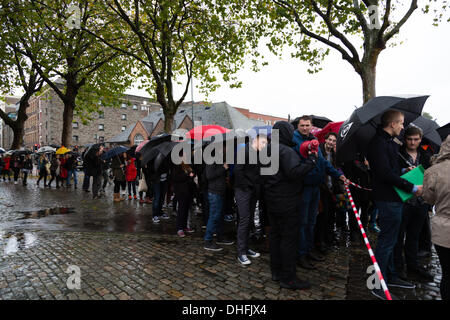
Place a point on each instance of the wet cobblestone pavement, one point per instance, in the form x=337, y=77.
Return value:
x=122, y=255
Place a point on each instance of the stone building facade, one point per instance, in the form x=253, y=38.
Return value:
x=267, y=119
x=44, y=125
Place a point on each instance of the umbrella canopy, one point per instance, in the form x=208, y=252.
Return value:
x=9, y=153
x=46, y=149
x=62, y=150
x=444, y=131
x=220, y=138
x=258, y=130
x=163, y=149
x=154, y=141
x=21, y=152
x=114, y=152
x=2, y=150
x=141, y=145
x=55, y=146
x=317, y=121
x=429, y=128
x=205, y=131
x=330, y=127
x=357, y=131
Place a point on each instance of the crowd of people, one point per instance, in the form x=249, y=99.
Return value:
x=303, y=207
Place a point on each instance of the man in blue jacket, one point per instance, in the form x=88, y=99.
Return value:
x=383, y=156
x=311, y=194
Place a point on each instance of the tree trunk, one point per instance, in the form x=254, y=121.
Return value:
x=69, y=107
x=19, y=132
x=369, y=75
x=168, y=121
x=19, y=125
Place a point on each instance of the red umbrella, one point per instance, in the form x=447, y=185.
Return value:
x=201, y=132
x=141, y=145
x=330, y=127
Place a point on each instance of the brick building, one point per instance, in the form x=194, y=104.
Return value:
x=45, y=114
x=269, y=120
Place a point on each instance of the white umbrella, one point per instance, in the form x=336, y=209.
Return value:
x=2, y=150
x=46, y=149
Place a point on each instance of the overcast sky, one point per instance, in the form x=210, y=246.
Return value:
x=421, y=65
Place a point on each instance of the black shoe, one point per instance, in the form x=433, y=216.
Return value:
x=421, y=273
x=225, y=242
x=424, y=254
x=296, y=284
x=399, y=283
x=379, y=293
x=211, y=246
x=305, y=264
x=85, y=190
x=315, y=257
x=276, y=277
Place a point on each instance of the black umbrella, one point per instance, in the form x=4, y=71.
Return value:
x=317, y=121
x=55, y=146
x=93, y=148
x=163, y=148
x=114, y=152
x=357, y=131
x=444, y=131
x=222, y=138
x=21, y=152
x=132, y=152
x=429, y=128
x=146, y=151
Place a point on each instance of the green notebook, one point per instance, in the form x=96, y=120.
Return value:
x=415, y=176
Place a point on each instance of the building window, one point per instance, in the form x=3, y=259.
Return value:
x=144, y=108
x=123, y=106
x=101, y=115
x=75, y=138
x=101, y=139
x=135, y=107
x=101, y=127
x=138, y=139
x=75, y=125
x=124, y=116
x=124, y=128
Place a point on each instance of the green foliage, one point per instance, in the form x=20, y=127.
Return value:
x=439, y=9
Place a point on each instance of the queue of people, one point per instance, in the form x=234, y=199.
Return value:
x=303, y=207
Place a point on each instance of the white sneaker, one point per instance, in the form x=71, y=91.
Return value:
x=15, y=182
x=253, y=254
x=155, y=220
x=165, y=216
x=244, y=260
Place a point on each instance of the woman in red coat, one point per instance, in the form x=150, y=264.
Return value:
x=63, y=173
x=131, y=174
x=6, y=168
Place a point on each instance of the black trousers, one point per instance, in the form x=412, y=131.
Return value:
x=246, y=204
x=284, y=241
x=25, y=176
x=425, y=235
x=16, y=173
x=131, y=185
x=118, y=185
x=42, y=175
x=184, y=198
x=413, y=219
x=444, y=259
x=54, y=177
x=323, y=230
x=6, y=173
x=96, y=184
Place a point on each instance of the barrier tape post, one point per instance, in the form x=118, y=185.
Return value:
x=366, y=240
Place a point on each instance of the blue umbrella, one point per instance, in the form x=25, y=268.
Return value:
x=2, y=150
x=114, y=152
x=258, y=130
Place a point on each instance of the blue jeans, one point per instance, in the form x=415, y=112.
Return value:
x=159, y=192
x=309, y=206
x=215, y=220
x=389, y=221
x=69, y=175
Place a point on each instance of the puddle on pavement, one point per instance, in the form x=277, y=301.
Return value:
x=15, y=241
x=37, y=214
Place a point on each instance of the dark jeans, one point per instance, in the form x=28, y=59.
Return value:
x=215, y=221
x=86, y=181
x=444, y=259
x=184, y=198
x=159, y=191
x=6, y=173
x=389, y=221
x=323, y=231
x=25, y=176
x=131, y=185
x=205, y=206
x=408, y=237
x=117, y=185
x=96, y=183
x=16, y=174
x=246, y=203
x=425, y=235
x=71, y=173
x=54, y=177
x=284, y=240
x=42, y=175
x=308, y=214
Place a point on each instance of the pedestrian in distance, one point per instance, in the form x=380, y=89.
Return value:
x=118, y=169
x=131, y=175
x=42, y=168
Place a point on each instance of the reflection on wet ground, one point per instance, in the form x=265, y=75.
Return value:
x=16, y=241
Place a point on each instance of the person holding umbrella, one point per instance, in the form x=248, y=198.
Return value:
x=131, y=175
x=55, y=169
x=16, y=166
x=385, y=173
x=6, y=168
x=118, y=169
x=42, y=167
x=93, y=166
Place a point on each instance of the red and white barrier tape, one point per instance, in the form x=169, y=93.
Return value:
x=366, y=240
x=358, y=186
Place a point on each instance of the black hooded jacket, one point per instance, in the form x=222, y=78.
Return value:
x=283, y=189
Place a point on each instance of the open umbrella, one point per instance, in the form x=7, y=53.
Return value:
x=330, y=127
x=62, y=150
x=55, y=146
x=231, y=135
x=205, y=131
x=317, y=121
x=164, y=149
x=46, y=149
x=114, y=152
x=21, y=152
x=2, y=150
x=155, y=141
x=444, y=131
x=429, y=128
x=357, y=131
x=258, y=130
x=141, y=145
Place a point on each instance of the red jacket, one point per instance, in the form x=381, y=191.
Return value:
x=7, y=161
x=131, y=171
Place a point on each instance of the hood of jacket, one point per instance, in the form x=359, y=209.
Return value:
x=286, y=132
x=444, y=153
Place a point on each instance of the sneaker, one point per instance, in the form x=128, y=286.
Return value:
x=181, y=234
x=148, y=200
x=252, y=254
x=379, y=293
x=296, y=284
x=189, y=230
x=203, y=227
x=276, y=277
x=129, y=198
x=165, y=216
x=374, y=228
x=244, y=260
x=225, y=242
x=211, y=246
x=135, y=197
x=399, y=283
x=156, y=219
x=15, y=182
x=142, y=201
x=228, y=218
x=421, y=273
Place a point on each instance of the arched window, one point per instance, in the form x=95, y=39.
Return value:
x=138, y=139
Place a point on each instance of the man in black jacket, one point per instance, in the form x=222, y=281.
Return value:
x=385, y=173
x=283, y=193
